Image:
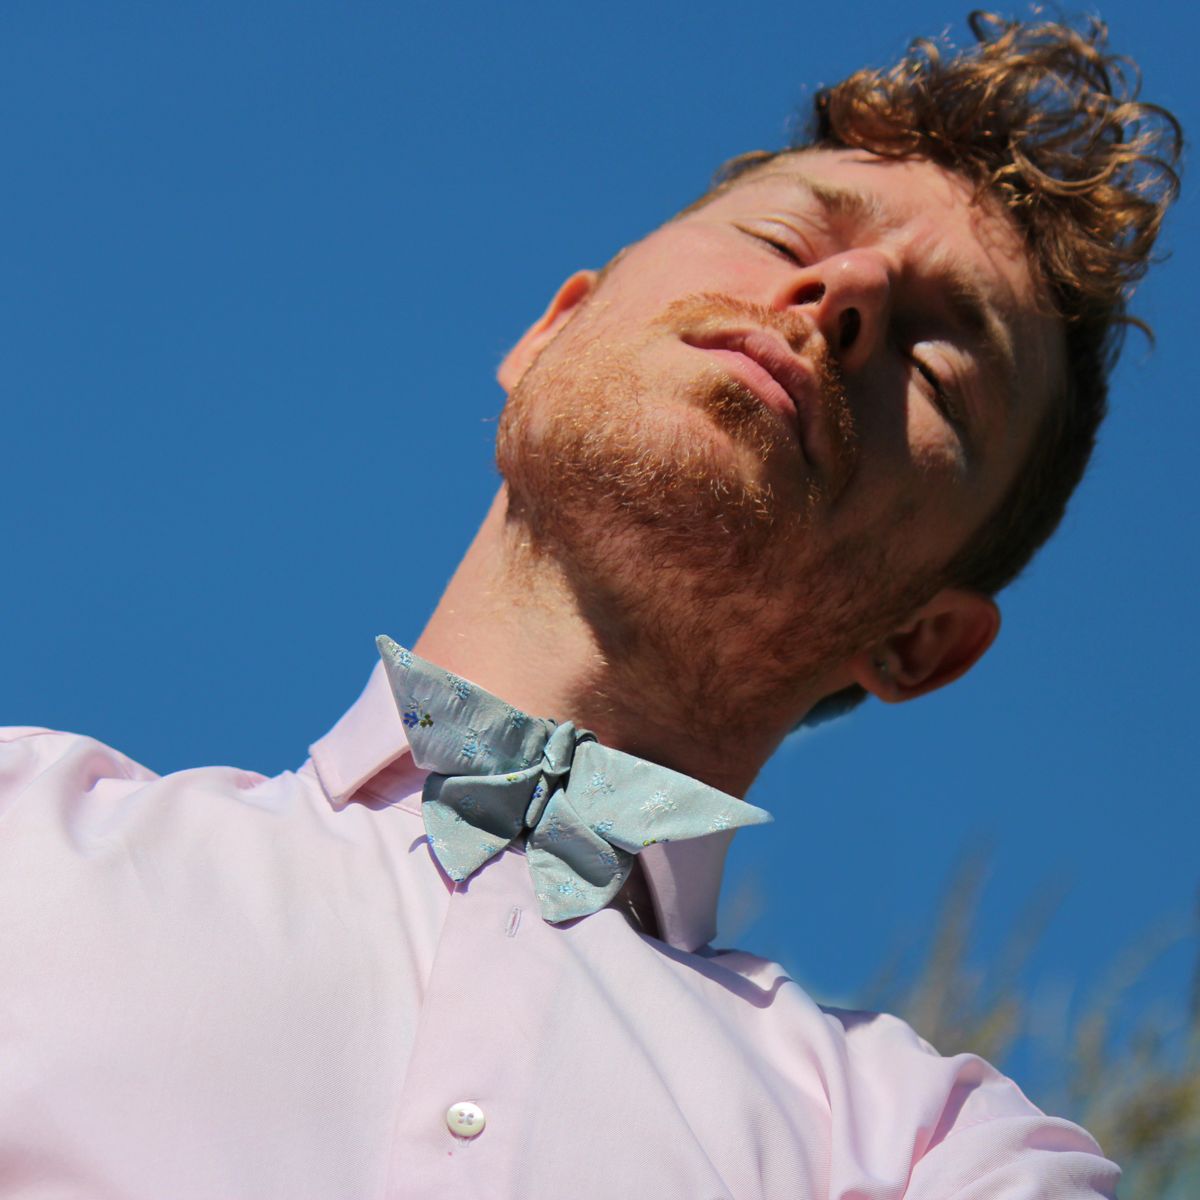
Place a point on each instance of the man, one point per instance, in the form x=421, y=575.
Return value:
x=781, y=452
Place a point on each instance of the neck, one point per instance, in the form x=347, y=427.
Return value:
x=510, y=622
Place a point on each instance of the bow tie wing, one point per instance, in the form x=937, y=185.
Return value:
x=614, y=805
x=575, y=869
x=454, y=726
x=635, y=803
x=484, y=757
x=471, y=818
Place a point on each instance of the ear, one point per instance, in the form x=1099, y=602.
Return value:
x=943, y=640
x=566, y=300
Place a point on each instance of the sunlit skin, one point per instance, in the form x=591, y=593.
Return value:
x=765, y=530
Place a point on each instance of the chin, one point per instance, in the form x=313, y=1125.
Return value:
x=671, y=486
x=703, y=461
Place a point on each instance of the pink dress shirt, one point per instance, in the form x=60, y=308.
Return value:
x=220, y=985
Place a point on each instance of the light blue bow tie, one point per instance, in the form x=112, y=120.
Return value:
x=499, y=774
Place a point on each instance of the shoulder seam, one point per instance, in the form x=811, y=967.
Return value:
x=15, y=733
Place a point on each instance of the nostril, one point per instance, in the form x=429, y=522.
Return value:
x=848, y=328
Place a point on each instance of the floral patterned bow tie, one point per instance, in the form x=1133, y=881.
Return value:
x=500, y=775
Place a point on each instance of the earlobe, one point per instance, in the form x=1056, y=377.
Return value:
x=943, y=640
x=566, y=300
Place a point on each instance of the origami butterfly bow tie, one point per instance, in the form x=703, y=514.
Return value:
x=499, y=775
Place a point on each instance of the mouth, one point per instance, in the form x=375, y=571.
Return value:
x=783, y=383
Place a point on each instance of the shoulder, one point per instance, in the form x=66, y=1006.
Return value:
x=85, y=827
x=931, y=1125
x=33, y=757
x=46, y=771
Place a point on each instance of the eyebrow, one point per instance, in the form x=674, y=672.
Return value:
x=835, y=199
x=845, y=202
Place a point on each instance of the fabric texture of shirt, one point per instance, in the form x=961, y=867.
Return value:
x=216, y=985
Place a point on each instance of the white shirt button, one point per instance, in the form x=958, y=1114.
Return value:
x=465, y=1119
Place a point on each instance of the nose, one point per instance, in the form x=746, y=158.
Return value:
x=848, y=295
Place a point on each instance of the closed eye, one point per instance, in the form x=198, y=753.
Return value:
x=930, y=376
x=780, y=248
x=942, y=395
x=777, y=244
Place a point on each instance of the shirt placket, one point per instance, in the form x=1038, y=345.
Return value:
x=468, y=1098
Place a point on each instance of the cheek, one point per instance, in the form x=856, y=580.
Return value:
x=934, y=447
x=902, y=434
x=667, y=267
x=938, y=493
x=911, y=474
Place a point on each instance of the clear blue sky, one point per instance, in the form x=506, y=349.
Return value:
x=259, y=264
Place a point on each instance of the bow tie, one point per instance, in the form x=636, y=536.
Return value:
x=499, y=775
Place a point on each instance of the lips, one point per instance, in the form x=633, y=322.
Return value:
x=765, y=364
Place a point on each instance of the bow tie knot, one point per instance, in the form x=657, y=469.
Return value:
x=499, y=777
x=555, y=768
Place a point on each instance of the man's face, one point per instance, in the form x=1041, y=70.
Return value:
x=803, y=396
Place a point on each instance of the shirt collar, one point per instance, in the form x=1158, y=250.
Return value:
x=684, y=878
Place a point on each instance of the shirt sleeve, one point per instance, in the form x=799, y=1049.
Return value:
x=1032, y=1157
x=965, y=1130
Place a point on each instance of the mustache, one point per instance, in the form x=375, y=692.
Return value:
x=710, y=312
